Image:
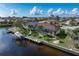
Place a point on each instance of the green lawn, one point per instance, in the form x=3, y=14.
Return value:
x=65, y=41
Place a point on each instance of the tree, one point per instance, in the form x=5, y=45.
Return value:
x=61, y=34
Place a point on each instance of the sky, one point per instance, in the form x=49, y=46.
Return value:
x=39, y=9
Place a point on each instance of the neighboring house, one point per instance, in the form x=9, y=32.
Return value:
x=77, y=20
x=67, y=22
x=74, y=22
x=2, y=20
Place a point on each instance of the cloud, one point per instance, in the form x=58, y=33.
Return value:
x=74, y=12
x=36, y=11
x=59, y=11
x=13, y=12
x=67, y=12
x=50, y=11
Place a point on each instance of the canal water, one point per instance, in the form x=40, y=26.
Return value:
x=9, y=46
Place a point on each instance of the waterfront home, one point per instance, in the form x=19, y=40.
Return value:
x=44, y=27
x=2, y=20
x=47, y=26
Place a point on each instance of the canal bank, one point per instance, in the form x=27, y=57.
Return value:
x=70, y=51
x=9, y=46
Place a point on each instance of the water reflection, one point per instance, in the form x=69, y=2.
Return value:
x=3, y=43
x=9, y=45
x=21, y=42
x=38, y=49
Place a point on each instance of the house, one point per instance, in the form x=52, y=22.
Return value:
x=2, y=20
x=48, y=27
x=74, y=22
